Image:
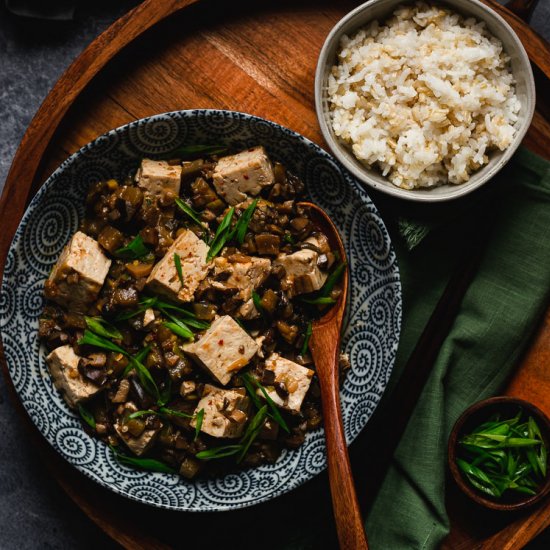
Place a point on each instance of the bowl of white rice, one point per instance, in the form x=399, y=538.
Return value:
x=424, y=101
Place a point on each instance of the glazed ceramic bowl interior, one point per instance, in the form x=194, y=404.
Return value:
x=380, y=10
x=475, y=415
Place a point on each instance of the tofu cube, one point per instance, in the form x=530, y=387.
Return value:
x=79, y=274
x=302, y=274
x=237, y=177
x=63, y=365
x=294, y=378
x=164, y=279
x=138, y=444
x=246, y=275
x=158, y=178
x=223, y=349
x=225, y=411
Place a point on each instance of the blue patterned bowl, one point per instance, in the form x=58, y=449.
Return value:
x=371, y=329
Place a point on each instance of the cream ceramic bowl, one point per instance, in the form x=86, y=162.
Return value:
x=381, y=9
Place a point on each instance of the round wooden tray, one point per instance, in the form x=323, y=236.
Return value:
x=258, y=58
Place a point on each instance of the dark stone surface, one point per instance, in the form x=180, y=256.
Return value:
x=34, y=511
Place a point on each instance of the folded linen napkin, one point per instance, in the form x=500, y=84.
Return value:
x=497, y=316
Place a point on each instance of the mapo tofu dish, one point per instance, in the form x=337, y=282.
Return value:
x=178, y=317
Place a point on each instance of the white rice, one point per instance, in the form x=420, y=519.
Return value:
x=424, y=97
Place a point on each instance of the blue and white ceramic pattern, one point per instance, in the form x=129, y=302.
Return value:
x=371, y=330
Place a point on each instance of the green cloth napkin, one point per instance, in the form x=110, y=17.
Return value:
x=497, y=316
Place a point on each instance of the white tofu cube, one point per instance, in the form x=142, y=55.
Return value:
x=225, y=411
x=302, y=274
x=141, y=443
x=248, y=310
x=246, y=276
x=236, y=177
x=63, y=365
x=294, y=378
x=157, y=177
x=224, y=349
x=79, y=274
x=164, y=279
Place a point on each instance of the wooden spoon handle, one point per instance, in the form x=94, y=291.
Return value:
x=522, y=8
x=68, y=87
x=349, y=523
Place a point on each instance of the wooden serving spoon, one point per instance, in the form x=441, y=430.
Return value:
x=325, y=350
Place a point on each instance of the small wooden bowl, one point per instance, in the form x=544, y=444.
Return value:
x=473, y=417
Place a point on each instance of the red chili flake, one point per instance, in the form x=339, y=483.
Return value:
x=220, y=343
x=245, y=176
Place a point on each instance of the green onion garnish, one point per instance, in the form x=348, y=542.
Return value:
x=133, y=250
x=190, y=212
x=91, y=339
x=219, y=452
x=177, y=263
x=305, y=345
x=221, y=236
x=180, y=329
x=239, y=232
x=319, y=300
x=288, y=238
x=137, y=414
x=333, y=278
x=143, y=463
x=252, y=431
x=257, y=301
x=145, y=378
x=192, y=151
x=87, y=416
x=198, y=423
x=250, y=382
x=500, y=456
x=101, y=327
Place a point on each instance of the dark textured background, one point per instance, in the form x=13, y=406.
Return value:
x=34, y=512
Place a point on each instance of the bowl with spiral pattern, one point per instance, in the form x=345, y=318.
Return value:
x=371, y=328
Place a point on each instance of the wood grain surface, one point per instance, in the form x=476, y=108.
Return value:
x=258, y=58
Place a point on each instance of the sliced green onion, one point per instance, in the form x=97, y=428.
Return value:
x=190, y=212
x=219, y=452
x=198, y=423
x=133, y=250
x=333, y=278
x=145, y=378
x=192, y=151
x=252, y=431
x=504, y=455
x=87, y=416
x=305, y=345
x=288, y=238
x=101, y=327
x=172, y=412
x=180, y=329
x=166, y=393
x=241, y=227
x=147, y=412
x=221, y=236
x=143, y=463
x=91, y=339
x=250, y=381
x=257, y=301
x=177, y=263
x=320, y=300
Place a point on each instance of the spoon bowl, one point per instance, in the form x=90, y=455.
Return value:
x=324, y=345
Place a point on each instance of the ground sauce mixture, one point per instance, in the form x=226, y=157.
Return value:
x=178, y=316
